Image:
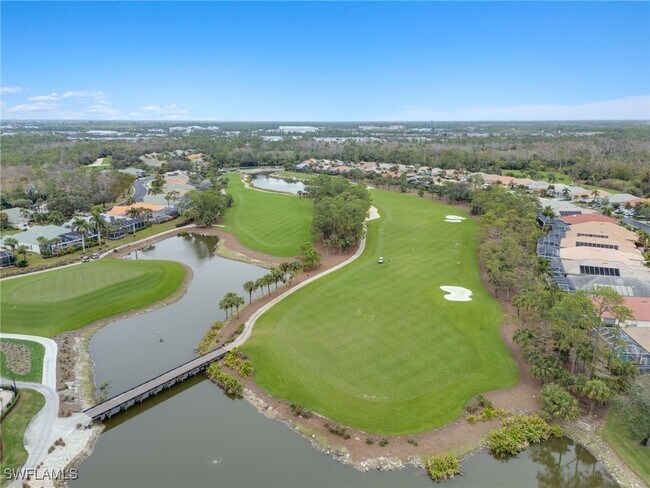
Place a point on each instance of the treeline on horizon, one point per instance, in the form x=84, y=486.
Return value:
x=618, y=158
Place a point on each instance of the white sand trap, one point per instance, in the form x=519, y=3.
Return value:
x=454, y=218
x=373, y=214
x=457, y=293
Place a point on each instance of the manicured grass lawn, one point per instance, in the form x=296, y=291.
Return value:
x=14, y=426
x=65, y=299
x=36, y=355
x=635, y=456
x=272, y=223
x=377, y=347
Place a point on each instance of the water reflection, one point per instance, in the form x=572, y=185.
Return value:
x=277, y=184
x=130, y=350
x=557, y=463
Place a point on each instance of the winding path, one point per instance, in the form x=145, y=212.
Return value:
x=46, y=426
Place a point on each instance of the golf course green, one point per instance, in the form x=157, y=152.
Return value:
x=272, y=223
x=46, y=304
x=377, y=346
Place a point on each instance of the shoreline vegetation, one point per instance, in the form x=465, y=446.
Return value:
x=317, y=439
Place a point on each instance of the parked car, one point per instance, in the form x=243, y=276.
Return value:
x=381, y=260
x=85, y=259
x=95, y=255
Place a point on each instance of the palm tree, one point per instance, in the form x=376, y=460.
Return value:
x=56, y=217
x=43, y=245
x=268, y=279
x=22, y=249
x=278, y=276
x=595, y=194
x=40, y=218
x=148, y=213
x=294, y=270
x=597, y=391
x=566, y=193
x=260, y=284
x=54, y=242
x=237, y=302
x=81, y=227
x=134, y=214
x=224, y=305
x=11, y=242
x=250, y=287
x=99, y=222
x=172, y=195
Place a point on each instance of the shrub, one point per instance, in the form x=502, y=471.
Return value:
x=337, y=430
x=484, y=402
x=413, y=442
x=471, y=419
x=370, y=441
x=557, y=402
x=383, y=442
x=299, y=410
x=246, y=369
x=227, y=383
x=442, y=467
x=518, y=433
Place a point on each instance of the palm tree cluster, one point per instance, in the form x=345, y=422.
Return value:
x=229, y=301
x=284, y=273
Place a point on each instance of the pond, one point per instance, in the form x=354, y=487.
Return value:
x=194, y=436
x=267, y=182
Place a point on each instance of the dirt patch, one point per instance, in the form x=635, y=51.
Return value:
x=18, y=357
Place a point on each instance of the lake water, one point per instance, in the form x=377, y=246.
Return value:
x=267, y=182
x=195, y=436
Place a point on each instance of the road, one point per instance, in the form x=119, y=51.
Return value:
x=139, y=188
x=637, y=224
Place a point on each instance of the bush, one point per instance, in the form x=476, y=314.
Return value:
x=413, y=442
x=442, y=467
x=383, y=442
x=518, y=433
x=370, y=441
x=227, y=383
x=299, y=410
x=338, y=430
x=557, y=402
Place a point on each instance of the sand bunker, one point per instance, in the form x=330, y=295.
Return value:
x=454, y=218
x=457, y=293
x=373, y=214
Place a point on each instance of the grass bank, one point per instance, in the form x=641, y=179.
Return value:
x=49, y=303
x=616, y=434
x=378, y=347
x=12, y=353
x=272, y=223
x=14, y=425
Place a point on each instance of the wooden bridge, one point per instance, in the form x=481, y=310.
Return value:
x=139, y=393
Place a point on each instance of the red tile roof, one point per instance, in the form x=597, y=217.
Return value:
x=582, y=218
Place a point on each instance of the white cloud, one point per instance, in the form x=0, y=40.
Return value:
x=52, y=97
x=85, y=95
x=11, y=89
x=166, y=112
x=88, y=104
x=630, y=108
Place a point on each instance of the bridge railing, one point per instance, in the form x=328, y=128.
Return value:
x=216, y=353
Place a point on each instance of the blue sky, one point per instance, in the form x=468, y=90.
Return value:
x=325, y=61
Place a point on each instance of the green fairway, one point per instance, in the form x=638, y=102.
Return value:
x=65, y=299
x=31, y=363
x=272, y=223
x=376, y=346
